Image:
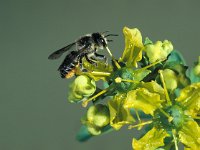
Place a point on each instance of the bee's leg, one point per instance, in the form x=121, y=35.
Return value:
x=81, y=65
x=101, y=57
x=90, y=60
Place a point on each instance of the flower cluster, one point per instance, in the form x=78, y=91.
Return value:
x=148, y=87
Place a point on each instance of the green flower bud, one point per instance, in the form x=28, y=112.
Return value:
x=83, y=86
x=98, y=115
x=93, y=130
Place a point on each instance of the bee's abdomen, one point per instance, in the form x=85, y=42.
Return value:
x=68, y=66
x=67, y=71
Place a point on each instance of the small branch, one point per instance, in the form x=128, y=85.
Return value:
x=165, y=88
x=114, y=60
x=175, y=139
x=153, y=64
x=85, y=103
x=100, y=73
x=140, y=124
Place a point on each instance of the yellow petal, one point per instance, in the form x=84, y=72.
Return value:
x=189, y=135
x=153, y=87
x=190, y=99
x=119, y=115
x=151, y=140
x=144, y=100
x=133, y=47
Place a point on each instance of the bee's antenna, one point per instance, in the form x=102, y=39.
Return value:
x=109, y=40
x=105, y=32
x=111, y=35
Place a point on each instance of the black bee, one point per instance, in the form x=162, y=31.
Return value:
x=87, y=47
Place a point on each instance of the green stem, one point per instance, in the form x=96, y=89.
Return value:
x=153, y=64
x=197, y=118
x=85, y=103
x=140, y=124
x=175, y=139
x=138, y=116
x=119, y=80
x=165, y=88
x=100, y=73
x=114, y=60
x=166, y=114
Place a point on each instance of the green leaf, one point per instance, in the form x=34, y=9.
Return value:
x=176, y=56
x=158, y=51
x=119, y=115
x=84, y=135
x=147, y=41
x=190, y=99
x=189, y=135
x=83, y=86
x=144, y=100
x=140, y=74
x=133, y=47
x=151, y=140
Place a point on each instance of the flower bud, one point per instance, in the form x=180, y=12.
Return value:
x=98, y=115
x=83, y=86
x=93, y=130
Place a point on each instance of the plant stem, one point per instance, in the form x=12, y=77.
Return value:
x=138, y=116
x=114, y=60
x=175, y=140
x=100, y=73
x=153, y=64
x=165, y=88
x=166, y=114
x=119, y=80
x=197, y=118
x=140, y=124
x=85, y=103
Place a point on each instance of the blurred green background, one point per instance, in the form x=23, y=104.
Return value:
x=34, y=111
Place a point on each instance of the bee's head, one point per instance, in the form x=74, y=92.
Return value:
x=99, y=40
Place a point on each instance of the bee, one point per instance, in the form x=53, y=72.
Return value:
x=85, y=47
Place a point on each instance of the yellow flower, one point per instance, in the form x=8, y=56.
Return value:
x=158, y=51
x=152, y=140
x=133, y=47
x=175, y=119
x=119, y=115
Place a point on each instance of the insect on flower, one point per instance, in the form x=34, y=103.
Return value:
x=85, y=47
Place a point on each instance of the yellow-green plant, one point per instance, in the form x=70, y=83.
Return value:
x=147, y=87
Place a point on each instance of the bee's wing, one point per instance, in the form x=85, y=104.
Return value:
x=58, y=53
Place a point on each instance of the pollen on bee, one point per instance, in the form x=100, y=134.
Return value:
x=70, y=74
